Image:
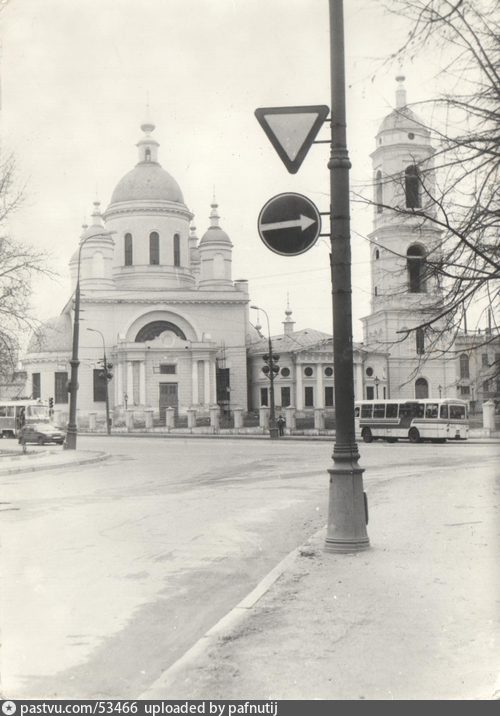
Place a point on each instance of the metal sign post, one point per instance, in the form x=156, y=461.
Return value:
x=346, y=530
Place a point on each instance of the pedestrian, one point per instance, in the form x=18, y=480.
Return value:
x=281, y=425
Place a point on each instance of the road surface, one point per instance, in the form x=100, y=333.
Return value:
x=112, y=571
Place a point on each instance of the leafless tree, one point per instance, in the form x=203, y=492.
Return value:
x=461, y=191
x=19, y=263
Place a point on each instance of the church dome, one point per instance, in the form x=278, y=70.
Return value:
x=147, y=181
x=402, y=118
x=214, y=233
x=56, y=334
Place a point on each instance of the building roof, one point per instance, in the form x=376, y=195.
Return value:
x=147, y=181
x=54, y=335
x=291, y=343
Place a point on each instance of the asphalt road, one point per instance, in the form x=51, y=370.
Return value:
x=112, y=571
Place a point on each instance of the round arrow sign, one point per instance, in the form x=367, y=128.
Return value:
x=289, y=224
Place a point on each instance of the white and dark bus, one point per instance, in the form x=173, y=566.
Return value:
x=414, y=420
x=14, y=414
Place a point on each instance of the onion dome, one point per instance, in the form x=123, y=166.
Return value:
x=214, y=233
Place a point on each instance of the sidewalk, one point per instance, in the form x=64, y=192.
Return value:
x=13, y=460
x=416, y=617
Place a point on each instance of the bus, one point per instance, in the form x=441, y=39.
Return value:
x=415, y=420
x=14, y=414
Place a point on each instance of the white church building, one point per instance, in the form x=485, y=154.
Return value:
x=172, y=320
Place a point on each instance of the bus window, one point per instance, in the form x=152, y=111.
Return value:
x=3, y=411
x=457, y=412
x=366, y=411
x=406, y=410
x=418, y=410
x=431, y=410
x=379, y=410
x=444, y=411
x=391, y=410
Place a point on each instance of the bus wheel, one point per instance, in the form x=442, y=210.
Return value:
x=414, y=435
x=367, y=436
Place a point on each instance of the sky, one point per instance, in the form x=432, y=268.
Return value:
x=76, y=80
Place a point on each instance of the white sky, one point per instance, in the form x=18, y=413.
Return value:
x=76, y=75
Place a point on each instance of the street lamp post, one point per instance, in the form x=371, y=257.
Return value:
x=347, y=511
x=273, y=430
x=105, y=370
x=71, y=434
x=377, y=383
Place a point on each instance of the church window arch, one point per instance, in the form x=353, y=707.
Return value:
x=147, y=154
x=177, y=250
x=154, y=329
x=128, y=249
x=464, y=366
x=415, y=266
x=412, y=187
x=421, y=388
x=154, y=248
x=377, y=254
x=379, y=192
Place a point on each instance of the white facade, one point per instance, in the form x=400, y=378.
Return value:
x=404, y=291
x=162, y=304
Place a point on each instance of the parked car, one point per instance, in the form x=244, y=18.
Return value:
x=41, y=433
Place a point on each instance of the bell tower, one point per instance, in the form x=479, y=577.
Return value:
x=405, y=291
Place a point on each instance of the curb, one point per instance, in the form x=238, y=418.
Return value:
x=227, y=623
x=99, y=457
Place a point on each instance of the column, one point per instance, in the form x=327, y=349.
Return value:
x=119, y=383
x=129, y=388
x=299, y=403
x=206, y=366
x=194, y=381
x=142, y=382
x=320, y=393
x=213, y=390
x=358, y=381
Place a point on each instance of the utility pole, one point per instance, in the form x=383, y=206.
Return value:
x=347, y=511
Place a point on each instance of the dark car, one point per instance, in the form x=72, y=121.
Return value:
x=41, y=433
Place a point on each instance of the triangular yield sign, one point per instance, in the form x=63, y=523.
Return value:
x=292, y=130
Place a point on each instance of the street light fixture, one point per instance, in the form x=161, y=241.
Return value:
x=71, y=434
x=377, y=383
x=106, y=379
x=270, y=372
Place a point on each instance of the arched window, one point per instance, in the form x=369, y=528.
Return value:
x=379, y=194
x=415, y=265
x=147, y=154
x=128, y=249
x=421, y=388
x=177, y=250
x=154, y=248
x=420, y=341
x=377, y=254
x=464, y=366
x=412, y=187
